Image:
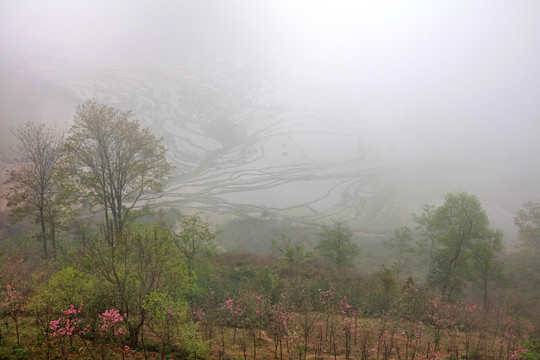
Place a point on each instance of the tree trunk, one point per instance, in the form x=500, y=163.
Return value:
x=53, y=238
x=43, y=233
x=134, y=336
x=485, y=293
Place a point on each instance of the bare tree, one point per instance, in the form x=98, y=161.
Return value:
x=114, y=162
x=34, y=189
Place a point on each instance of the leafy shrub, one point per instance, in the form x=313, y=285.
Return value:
x=532, y=351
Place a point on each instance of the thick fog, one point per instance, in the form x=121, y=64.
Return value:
x=363, y=110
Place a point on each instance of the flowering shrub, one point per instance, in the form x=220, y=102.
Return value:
x=110, y=330
x=13, y=307
x=231, y=311
x=67, y=326
x=111, y=320
x=349, y=326
x=280, y=318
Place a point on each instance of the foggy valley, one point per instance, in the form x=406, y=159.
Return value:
x=360, y=129
x=283, y=117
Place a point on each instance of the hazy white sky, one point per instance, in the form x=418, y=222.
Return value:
x=465, y=71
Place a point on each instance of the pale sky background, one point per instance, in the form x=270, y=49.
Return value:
x=453, y=78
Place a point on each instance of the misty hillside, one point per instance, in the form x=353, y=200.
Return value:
x=26, y=96
x=246, y=140
x=269, y=179
x=358, y=110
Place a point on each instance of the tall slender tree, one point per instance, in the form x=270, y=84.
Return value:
x=114, y=161
x=426, y=227
x=34, y=185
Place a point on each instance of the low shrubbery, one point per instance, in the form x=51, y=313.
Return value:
x=258, y=308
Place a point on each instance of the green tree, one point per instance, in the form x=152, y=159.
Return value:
x=336, y=245
x=142, y=259
x=401, y=243
x=66, y=287
x=114, y=161
x=170, y=323
x=485, y=266
x=462, y=239
x=292, y=254
x=194, y=240
x=35, y=185
x=528, y=221
x=426, y=227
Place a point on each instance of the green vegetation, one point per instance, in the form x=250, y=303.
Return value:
x=292, y=254
x=131, y=283
x=528, y=221
x=463, y=246
x=402, y=244
x=113, y=161
x=336, y=245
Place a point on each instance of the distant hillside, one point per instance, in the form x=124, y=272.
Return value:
x=246, y=141
x=26, y=96
x=4, y=165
